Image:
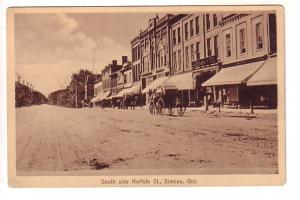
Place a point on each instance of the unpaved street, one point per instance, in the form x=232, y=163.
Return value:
x=51, y=139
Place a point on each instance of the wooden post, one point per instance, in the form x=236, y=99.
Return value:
x=206, y=102
x=251, y=105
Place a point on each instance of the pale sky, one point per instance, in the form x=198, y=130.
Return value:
x=50, y=47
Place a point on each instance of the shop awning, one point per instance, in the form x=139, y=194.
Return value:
x=135, y=89
x=234, y=75
x=104, y=96
x=155, y=84
x=266, y=75
x=181, y=81
x=97, y=97
x=94, y=99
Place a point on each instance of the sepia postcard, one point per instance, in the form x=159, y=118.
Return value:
x=146, y=96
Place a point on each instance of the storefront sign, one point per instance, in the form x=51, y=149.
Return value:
x=204, y=62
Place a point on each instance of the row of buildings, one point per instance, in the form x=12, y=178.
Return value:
x=212, y=58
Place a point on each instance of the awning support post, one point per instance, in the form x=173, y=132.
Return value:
x=206, y=102
x=251, y=105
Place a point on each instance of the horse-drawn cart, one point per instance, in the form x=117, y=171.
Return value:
x=166, y=96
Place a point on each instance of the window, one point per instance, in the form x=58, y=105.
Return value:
x=216, y=45
x=179, y=59
x=192, y=52
x=158, y=59
x=259, y=35
x=207, y=22
x=215, y=20
x=174, y=37
x=174, y=61
x=187, y=56
x=272, y=33
x=133, y=71
x=228, y=44
x=242, y=33
x=162, y=59
x=143, y=63
x=179, y=35
x=139, y=72
x=158, y=34
x=197, y=24
x=132, y=53
x=163, y=32
x=198, y=50
x=192, y=28
x=208, y=47
x=186, y=32
x=125, y=78
x=152, y=60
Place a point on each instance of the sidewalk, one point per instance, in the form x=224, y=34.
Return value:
x=214, y=111
x=224, y=110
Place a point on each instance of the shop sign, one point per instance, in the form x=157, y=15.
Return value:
x=204, y=62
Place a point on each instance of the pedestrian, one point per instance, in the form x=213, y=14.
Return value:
x=133, y=103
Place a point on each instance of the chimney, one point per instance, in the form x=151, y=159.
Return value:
x=114, y=62
x=124, y=59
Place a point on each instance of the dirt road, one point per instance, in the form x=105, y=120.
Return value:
x=56, y=139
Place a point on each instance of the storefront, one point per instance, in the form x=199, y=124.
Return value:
x=229, y=84
x=263, y=85
x=199, y=77
x=130, y=96
x=184, y=83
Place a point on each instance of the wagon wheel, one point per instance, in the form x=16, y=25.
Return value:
x=160, y=106
x=152, y=108
x=171, y=111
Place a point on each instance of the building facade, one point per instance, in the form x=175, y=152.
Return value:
x=248, y=48
x=212, y=58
